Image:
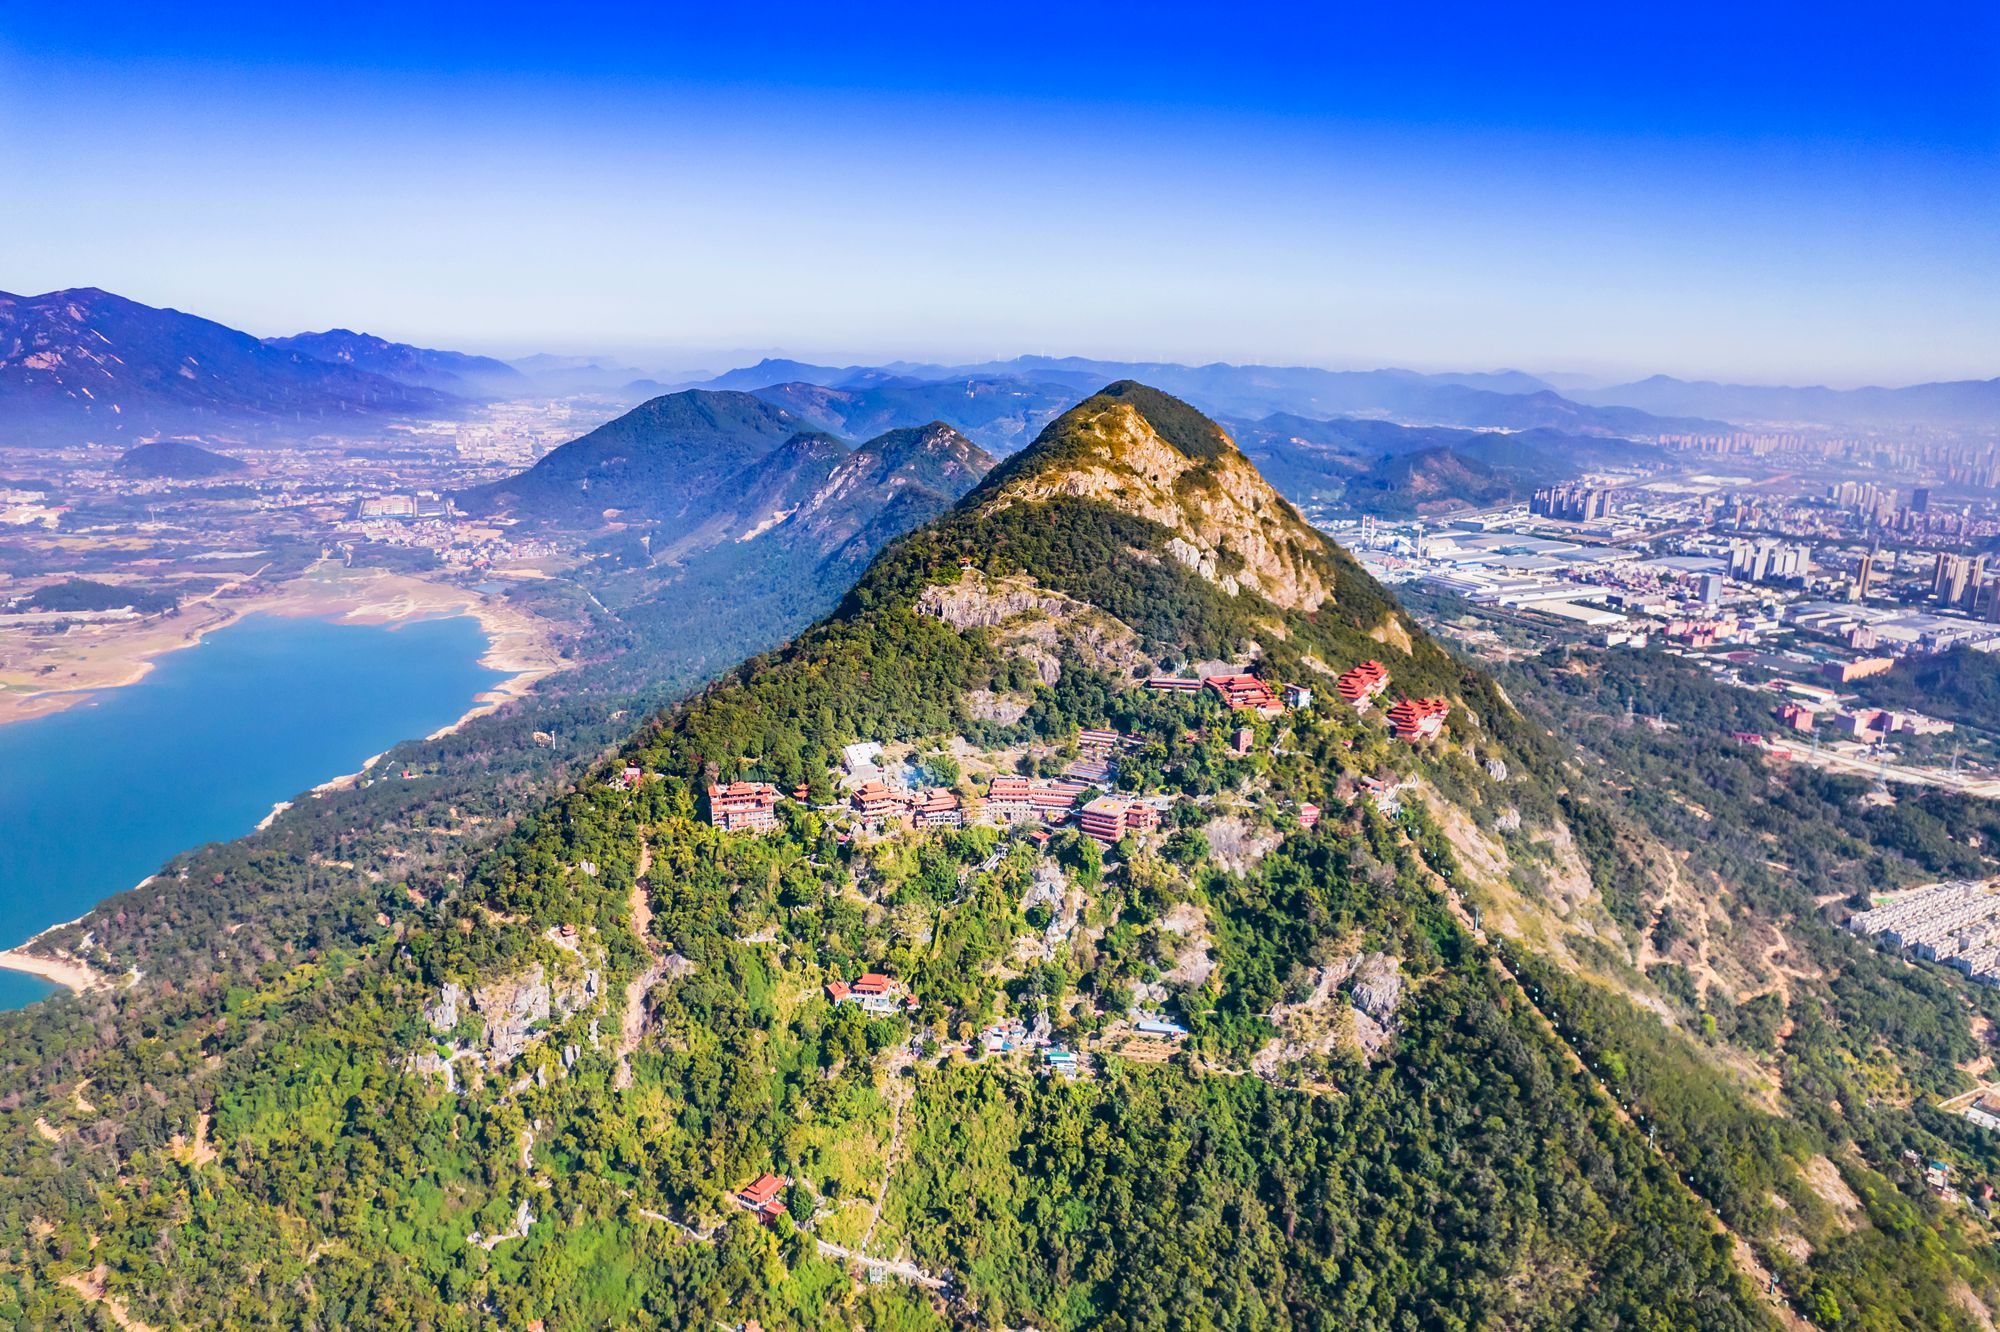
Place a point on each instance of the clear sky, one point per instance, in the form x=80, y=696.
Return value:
x=1806, y=192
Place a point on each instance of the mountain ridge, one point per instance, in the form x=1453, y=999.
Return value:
x=85, y=364
x=1969, y=403
x=457, y=373
x=1250, y=1058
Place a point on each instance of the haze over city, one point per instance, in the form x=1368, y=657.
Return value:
x=1806, y=194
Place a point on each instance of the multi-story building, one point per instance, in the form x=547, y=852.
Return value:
x=1103, y=819
x=1418, y=719
x=743, y=806
x=1362, y=683
x=876, y=803
x=937, y=808
x=1245, y=693
x=1571, y=504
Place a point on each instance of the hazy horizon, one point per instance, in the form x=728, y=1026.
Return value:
x=1707, y=194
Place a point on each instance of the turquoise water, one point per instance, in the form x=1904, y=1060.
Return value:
x=95, y=798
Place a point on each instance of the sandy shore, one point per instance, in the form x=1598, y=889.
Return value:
x=71, y=975
x=40, y=675
x=110, y=657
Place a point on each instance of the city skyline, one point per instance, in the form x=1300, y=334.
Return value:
x=1780, y=199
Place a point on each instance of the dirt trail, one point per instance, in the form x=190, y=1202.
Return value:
x=893, y=1267
x=200, y=1151
x=641, y=901
x=90, y=1286
x=889, y=1156
x=632, y=1025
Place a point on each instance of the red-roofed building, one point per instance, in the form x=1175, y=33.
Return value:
x=629, y=778
x=874, y=993
x=876, y=803
x=1174, y=684
x=743, y=806
x=1362, y=684
x=937, y=808
x=761, y=1197
x=1245, y=693
x=1417, y=719
x=1103, y=819
x=1108, y=819
x=1010, y=798
x=1007, y=798
x=1054, y=800
x=1308, y=816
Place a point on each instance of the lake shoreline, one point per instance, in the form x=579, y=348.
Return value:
x=100, y=658
x=67, y=972
x=499, y=656
x=76, y=977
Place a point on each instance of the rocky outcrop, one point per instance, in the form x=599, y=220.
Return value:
x=1352, y=1004
x=513, y=1012
x=1228, y=524
x=1040, y=626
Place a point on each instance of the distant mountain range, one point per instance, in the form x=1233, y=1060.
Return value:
x=85, y=365
x=690, y=471
x=586, y=374
x=1502, y=400
x=1001, y=415
x=1958, y=405
x=1393, y=470
x=450, y=372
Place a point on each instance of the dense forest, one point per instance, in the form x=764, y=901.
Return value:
x=381, y=1073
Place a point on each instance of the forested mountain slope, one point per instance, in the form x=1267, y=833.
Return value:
x=1001, y=414
x=1246, y=1057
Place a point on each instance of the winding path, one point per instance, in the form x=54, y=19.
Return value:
x=633, y=1023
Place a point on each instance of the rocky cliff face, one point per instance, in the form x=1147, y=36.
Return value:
x=1229, y=525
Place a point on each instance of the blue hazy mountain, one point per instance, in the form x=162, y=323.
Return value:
x=86, y=365
x=1497, y=400
x=999, y=414
x=457, y=373
x=1392, y=470
x=175, y=460
x=1959, y=404
x=696, y=469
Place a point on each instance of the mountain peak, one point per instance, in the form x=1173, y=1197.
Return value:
x=933, y=440
x=1149, y=454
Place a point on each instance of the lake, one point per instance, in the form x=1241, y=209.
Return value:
x=95, y=798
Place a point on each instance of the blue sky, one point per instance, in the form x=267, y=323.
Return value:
x=1810, y=192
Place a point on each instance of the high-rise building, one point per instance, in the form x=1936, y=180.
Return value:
x=1952, y=575
x=1571, y=504
x=1920, y=500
